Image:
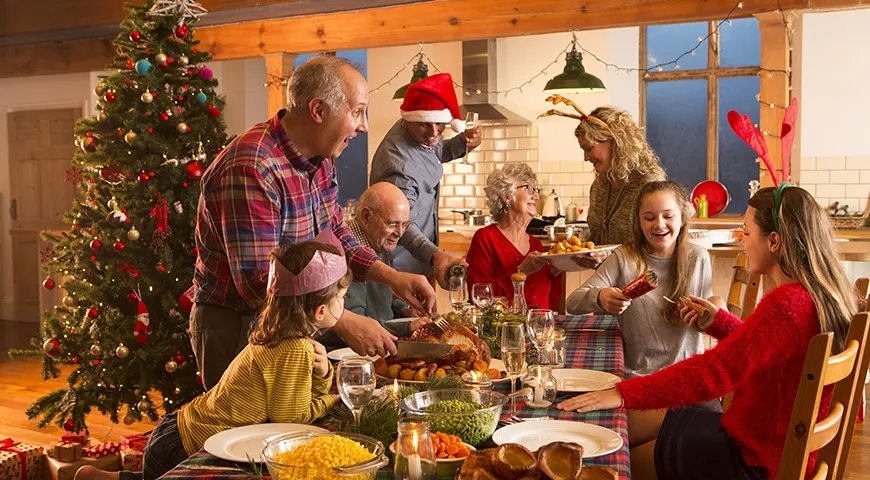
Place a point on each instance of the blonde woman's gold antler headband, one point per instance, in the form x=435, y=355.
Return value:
x=557, y=99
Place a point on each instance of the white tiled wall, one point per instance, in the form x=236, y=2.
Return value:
x=843, y=179
x=462, y=185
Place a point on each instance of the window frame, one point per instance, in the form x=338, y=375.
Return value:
x=712, y=74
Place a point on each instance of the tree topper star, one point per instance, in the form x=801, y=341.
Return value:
x=183, y=8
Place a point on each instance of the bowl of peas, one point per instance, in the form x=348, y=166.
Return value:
x=323, y=455
x=471, y=415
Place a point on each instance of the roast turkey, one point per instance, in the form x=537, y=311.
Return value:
x=467, y=346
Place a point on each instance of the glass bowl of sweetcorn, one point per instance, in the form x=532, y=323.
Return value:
x=323, y=456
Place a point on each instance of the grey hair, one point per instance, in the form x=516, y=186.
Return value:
x=370, y=199
x=500, y=184
x=320, y=77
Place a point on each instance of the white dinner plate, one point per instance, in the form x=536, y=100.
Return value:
x=346, y=353
x=237, y=444
x=563, y=261
x=596, y=440
x=581, y=380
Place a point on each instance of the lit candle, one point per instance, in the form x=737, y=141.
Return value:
x=396, y=389
x=539, y=393
x=415, y=469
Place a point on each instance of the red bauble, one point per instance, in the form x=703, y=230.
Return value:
x=135, y=36
x=118, y=246
x=179, y=359
x=214, y=111
x=52, y=347
x=164, y=117
x=199, y=381
x=181, y=31
x=69, y=425
x=96, y=245
x=109, y=97
x=144, y=178
x=195, y=169
x=97, y=361
x=132, y=297
x=48, y=284
x=185, y=302
x=111, y=173
x=93, y=313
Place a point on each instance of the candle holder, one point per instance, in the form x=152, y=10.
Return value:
x=543, y=384
x=415, y=455
x=480, y=381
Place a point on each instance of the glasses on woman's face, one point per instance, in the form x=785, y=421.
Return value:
x=395, y=225
x=531, y=189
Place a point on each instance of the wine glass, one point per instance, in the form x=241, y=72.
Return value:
x=458, y=293
x=356, y=383
x=470, y=124
x=481, y=295
x=513, y=354
x=541, y=324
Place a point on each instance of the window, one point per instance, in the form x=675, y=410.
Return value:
x=684, y=104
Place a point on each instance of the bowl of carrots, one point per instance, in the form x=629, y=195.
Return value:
x=450, y=452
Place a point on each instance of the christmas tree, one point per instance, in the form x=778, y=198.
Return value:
x=129, y=255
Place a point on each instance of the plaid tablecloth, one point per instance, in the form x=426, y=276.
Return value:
x=581, y=352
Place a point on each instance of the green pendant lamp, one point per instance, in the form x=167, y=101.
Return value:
x=574, y=78
x=421, y=71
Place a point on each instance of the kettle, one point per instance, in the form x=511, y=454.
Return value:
x=552, y=206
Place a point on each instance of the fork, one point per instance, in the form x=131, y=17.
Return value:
x=441, y=324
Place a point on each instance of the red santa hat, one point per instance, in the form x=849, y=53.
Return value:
x=433, y=100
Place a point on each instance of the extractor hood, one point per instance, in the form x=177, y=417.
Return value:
x=479, y=74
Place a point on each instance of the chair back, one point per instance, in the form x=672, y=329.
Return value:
x=862, y=289
x=743, y=278
x=831, y=436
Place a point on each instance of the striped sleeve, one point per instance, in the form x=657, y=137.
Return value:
x=290, y=389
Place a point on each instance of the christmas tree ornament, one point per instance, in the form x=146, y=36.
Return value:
x=132, y=297
x=171, y=366
x=201, y=97
x=143, y=67
x=101, y=117
x=89, y=144
x=111, y=174
x=183, y=61
x=160, y=58
x=93, y=313
x=133, y=234
x=179, y=208
x=195, y=169
x=182, y=128
x=143, y=322
x=129, y=419
x=69, y=301
x=206, y=73
x=100, y=89
x=214, y=111
x=164, y=117
x=109, y=96
x=112, y=203
x=135, y=36
x=52, y=347
x=130, y=137
x=96, y=350
x=48, y=284
x=179, y=359
x=160, y=267
x=144, y=178
x=69, y=425
x=122, y=351
x=182, y=31
x=182, y=8
x=143, y=406
x=117, y=215
x=118, y=246
x=147, y=97
x=95, y=245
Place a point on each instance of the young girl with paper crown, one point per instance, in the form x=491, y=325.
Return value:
x=787, y=236
x=282, y=376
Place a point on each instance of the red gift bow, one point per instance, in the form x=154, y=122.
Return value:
x=8, y=445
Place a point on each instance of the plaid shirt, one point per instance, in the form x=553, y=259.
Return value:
x=260, y=193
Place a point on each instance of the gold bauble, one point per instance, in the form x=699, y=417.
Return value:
x=100, y=90
x=181, y=127
x=133, y=234
x=112, y=203
x=160, y=58
x=69, y=301
x=147, y=97
x=171, y=366
x=96, y=350
x=130, y=137
x=122, y=351
x=183, y=61
x=143, y=406
x=102, y=116
x=129, y=419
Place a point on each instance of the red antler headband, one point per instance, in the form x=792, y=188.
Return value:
x=744, y=129
x=322, y=270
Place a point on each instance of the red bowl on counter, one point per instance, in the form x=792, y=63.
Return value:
x=718, y=197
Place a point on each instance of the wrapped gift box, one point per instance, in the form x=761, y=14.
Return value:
x=136, y=441
x=81, y=438
x=65, y=451
x=57, y=470
x=102, y=449
x=20, y=460
x=131, y=459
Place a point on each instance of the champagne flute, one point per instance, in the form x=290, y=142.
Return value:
x=458, y=294
x=481, y=295
x=541, y=324
x=356, y=383
x=513, y=354
x=470, y=124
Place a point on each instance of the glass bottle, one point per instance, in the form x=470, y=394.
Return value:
x=415, y=455
x=701, y=205
x=543, y=384
x=519, y=304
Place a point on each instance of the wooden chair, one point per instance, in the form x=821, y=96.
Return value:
x=831, y=436
x=862, y=289
x=752, y=282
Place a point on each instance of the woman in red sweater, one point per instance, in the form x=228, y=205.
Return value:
x=504, y=248
x=786, y=236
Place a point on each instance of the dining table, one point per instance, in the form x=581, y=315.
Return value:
x=592, y=342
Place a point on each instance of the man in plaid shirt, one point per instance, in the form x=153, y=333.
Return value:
x=274, y=184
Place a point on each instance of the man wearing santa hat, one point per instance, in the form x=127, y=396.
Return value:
x=410, y=157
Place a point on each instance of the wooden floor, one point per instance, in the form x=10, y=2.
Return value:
x=21, y=384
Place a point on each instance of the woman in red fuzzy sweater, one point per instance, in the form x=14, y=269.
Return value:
x=786, y=236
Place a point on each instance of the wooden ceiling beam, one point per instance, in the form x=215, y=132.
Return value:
x=436, y=21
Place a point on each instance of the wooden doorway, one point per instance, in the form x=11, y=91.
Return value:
x=40, y=150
